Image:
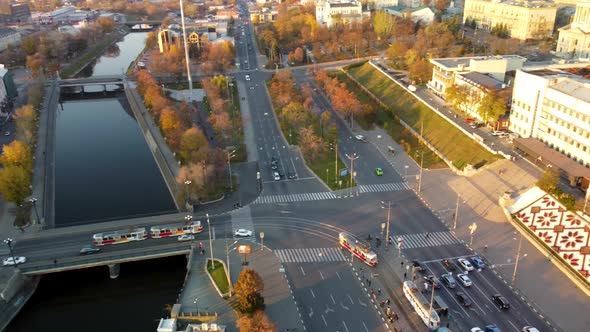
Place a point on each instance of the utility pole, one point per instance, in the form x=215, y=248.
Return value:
x=456, y=212
x=352, y=158
x=229, y=156
x=430, y=309
x=421, y=168
x=188, y=67
x=517, y=260
x=210, y=242
x=388, y=219
x=336, y=161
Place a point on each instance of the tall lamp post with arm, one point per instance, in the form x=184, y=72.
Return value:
x=9, y=241
x=383, y=206
x=229, y=156
x=33, y=200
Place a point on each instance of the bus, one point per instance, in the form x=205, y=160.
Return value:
x=421, y=306
x=358, y=248
x=116, y=237
x=193, y=227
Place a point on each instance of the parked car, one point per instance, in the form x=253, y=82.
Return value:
x=247, y=77
x=417, y=265
x=449, y=265
x=464, y=280
x=361, y=138
x=432, y=280
x=492, y=328
x=186, y=237
x=501, y=301
x=529, y=329
x=412, y=88
x=14, y=261
x=463, y=299
x=468, y=120
x=243, y=232
x=276, y=176
x=465, y=264
x=448, y=280
x=291, y=175
x=476, y=329
x=478, y=262
x=89, y=250
x=496, y=132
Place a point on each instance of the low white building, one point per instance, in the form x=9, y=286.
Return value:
x=329, y=12
x=574, y=38
x=424, y=15
x=8, y=36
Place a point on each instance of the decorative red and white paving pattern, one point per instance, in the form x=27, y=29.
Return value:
x=564, y=231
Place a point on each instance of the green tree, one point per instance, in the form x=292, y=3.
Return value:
x=383, y=24
x=491, y=107
x=17, y=154
x=248, y=290
x=14, y=184
x=456, y=96
x=549, y=181
x=258, y=322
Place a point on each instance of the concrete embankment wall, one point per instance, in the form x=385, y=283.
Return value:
x=140, y=112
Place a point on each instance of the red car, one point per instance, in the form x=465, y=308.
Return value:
x=469, y=120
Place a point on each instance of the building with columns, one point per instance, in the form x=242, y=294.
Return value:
x=524, y=19
x=329, y=12
x=574, y=38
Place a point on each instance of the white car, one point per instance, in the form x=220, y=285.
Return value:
x=7, y=133
x=465, y=264
x=476, y=329
x=12, y=261
x=242, y=232
x=464, y=280
x=361, y=138
x=186, y=237
x=276, y=176
x=530, y=329
x=247, y=77
x=497, y=132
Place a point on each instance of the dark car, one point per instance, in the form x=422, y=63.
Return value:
x=432, y=280
x=291, y=175
x=463, y=299
x=448, y=264
x=501, y=302
x=89, y=250
x=418, y=266
x=448, y=280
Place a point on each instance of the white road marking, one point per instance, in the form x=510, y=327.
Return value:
x=344, y=307
x=362, y=303
x=338, y=275
x=301, y=267
x=310, y=312
x=321, y=275
x=350, y=298
x=312, y=294
x=346, y=327
x=332, y=297
x=515, y=328
x=365, y=326
x=324, y=319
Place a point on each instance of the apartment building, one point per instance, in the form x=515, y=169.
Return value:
x=329, y=12
x=524, y=19
x=445, y=70
x=574, y=38
x=551, y=113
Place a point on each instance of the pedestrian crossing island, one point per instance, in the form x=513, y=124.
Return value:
x=310, y=255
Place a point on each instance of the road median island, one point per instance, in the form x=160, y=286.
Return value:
x=218, y=276
x=443, y=136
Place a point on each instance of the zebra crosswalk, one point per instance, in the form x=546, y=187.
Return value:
x=294, y=198
x=309, y=255
x=380, y=187
x=241, y=219
x=421, y=240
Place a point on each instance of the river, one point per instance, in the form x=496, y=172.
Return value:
x=104, y=170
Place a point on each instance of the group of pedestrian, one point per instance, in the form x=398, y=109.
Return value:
x=201, y=249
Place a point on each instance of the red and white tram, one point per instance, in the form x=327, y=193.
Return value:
x=177, y=229
x=116, y=237
x=358, y=248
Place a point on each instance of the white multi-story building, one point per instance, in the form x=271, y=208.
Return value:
x=574, y=39
x=524, y=19
x=329, y=12
x=8, y=36
x=445, y=69
x=553, y=107
x=423, y=15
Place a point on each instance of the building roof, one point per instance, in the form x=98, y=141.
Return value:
x=483, y=80
x=553, y=157
x=404, y=8
x=544, y=72
x=577, y=88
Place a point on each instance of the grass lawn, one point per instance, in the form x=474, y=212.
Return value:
x=219, y=276
x=320, y=166
x=449, y=140
x=394, y=128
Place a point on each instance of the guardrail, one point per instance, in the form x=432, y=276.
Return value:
x=99, y=259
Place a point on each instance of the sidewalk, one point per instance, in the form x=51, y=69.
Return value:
x=478, y=203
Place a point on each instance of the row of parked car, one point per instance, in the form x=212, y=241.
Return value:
x=277, y=173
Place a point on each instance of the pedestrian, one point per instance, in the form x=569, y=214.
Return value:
x=379, y=291
x=405, y=275
x=55, y=261
x=370, y=282
x=402, y=263
x=427, y=234
x=388, y=301
x=201, y=245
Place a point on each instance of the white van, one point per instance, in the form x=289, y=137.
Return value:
x=412, y=88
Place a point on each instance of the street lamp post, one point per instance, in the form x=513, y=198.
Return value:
x=517, y=259
x=196, y=304
x=188, y=183
x=210, y=242
x=188, y=66
x=406, y=172
x=421, y=168
x=227, y=250
x=472, y=229
x=352, y=158
x=34, y=201
x=9, y=241
x=229, y=156
x=456, y=215
x=388, y=218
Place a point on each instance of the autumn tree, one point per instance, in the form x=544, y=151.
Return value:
x=17, y=154
x=248, y=289
x=25, y=118
x=455, y=95
x=14, y=184
x=441, y=4
x=258, y=322
x=550, y=180
x=106, y=24
x=491, y=107
x=420, y=71
x=193, y=145
x=383, y=24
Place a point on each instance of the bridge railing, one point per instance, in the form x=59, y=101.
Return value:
x=77, y=262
